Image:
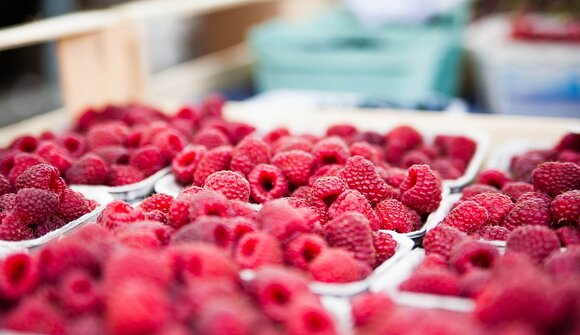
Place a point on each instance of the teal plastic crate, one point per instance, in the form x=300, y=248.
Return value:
x=334, y=53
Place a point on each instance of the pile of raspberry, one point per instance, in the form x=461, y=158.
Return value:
x=566, y=150
x=534, y=284
x=95, y=282
x=344, y=249
x=493, y=207
x=37, y=202
x=121, y=145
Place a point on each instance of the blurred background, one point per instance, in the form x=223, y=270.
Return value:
x=456, y=56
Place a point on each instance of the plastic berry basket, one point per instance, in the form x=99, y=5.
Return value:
x=168, y=185
x=391, y=280
x=126, y=192
x=404, y=246
x=8, y=247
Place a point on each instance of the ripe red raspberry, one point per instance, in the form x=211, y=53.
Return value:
x=216, y=159
x=201, y=260
x=25, y=143
x=283, y=221
x=523, y=165
x=385, y=247
x=365, y=150
x=394, y=176
x=231, y=314
x=170, y=142
x=159, y=201
x=19, y=275
x=351, y=231
x=136, y=307
x=302, y=193
x=516, y=189
x=467, y=216
x=75, y=144
x=555, y=178
x=229, y=183
x=325, y=191
x=72, y=205
x=13, y=228
x=113, y=154
x=258, y=249
x=210, y=229
x=55, y=155
x=148, y=159
x=12, y=166
x=275, y=135
x=308, y=316
x=421, y=190
x=568, y=235
x=241, y=226
x=7, y=202
x=330, y=150
x=447, y=168
x=124, y=175
x=41, y=176
x=393, y=215
x=565, y=208
x=459, y=147
x=569, y=141
x=345, y=131
x=128, y=264
x=497, y=206
x=331, y=170
x=414, y=157
x=185, y=162
x=353, y=201
x=267, y=182
x=34, y=205
x=144, y=235
x=79, y=293
x=565, y=264
x=442, y=239
x=292, y=143
x=405, y=134
x=433, y=261
x=296, y=165
x=249, y=153
x=179, y=210
x=334, y=265
x=495, y=178
x=530, y=212
x=112, y=133
x=89, y=170
x=491, y=233
x=536, y=241
x=433, y=281
x=469, y=255
x=35, y=314
x=242, y=209
x=54, y=223
x=361, y=175
x=210, y=138
x=119, y=213
x=208, y=202
x=302, y=250
x=369, y=308
x=4, y=185
x=473, y=283
x=475, y=189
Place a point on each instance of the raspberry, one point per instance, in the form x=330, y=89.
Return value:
x=185, y=163
x=55, y=155
x=334, y=265
x=330, y=150
x=159, y=201
x=136, y=307
x=113, y=154
x=407, y=135
x=242, y=209
x=49, y=225
x=75, y=144
x=89, y=170
x=129, y=264
x=569, y=156
x=568, y=235
x=566, y=207
x=569, y=141
x=393, y=215
x=283, y=221
x=495, y=178
x=369, y=308
x=144, y=235
x=41, y=176
x=34, y=206
x=365, y=150
x=361, y=175
x=292, y=143
x=555, y=178
x=395, y=176
x=148, y=159
x=302, y=250
x=564, y=264
x=345, y=131
x=14, y=228
x=4, y=185
x=19, y=275
x=101, y=135
x=124, y=175
x=353, y=201
x=468, y=217
x=442, y=239
x=523, y=165
x=296, y=165
x=325, y=191
x=536, y=241
x=72, y=205
x=258, y=249
x=433, y=261
x=267, y=182
x=230, y=184
x=351, y=231
x=497, y=206
x=78, y=293
x=302, y=193
x=241, y=226
x=459, y=147
x=179, y=210
x=469, y=255
x=201, y=260
x=530, y=212
x=276, y=288
x=170, y=142
x=473, y=283
x=227, y=315
x=249, y=153
x=447, y=168
x=385, y=246
x=210, y=138
x=307, y=316
x=516, y=189
x=275, y=135
x=432, y=281
x=35, y=315
x=475, y=189
x=25, y=143
x=208, y=202
x=86, y=324
x=119, y=213
x=414, y=157
x=209, y=229
x=214, y=160
x=492, y=233
x=16, y=165
x=421, y=190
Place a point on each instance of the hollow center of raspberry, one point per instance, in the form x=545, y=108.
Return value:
x=314, y=322
x=279, y=295
x=16, y=269
x=174, y=143
x=329, y=159
x=71, y=144
x=249, y=247
x=187, y=159
x=267, y=183
x=330, y=199
x=310, y=251
x=481, y=261
x=81, y=286
x=222, y=236
x=28, y=145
